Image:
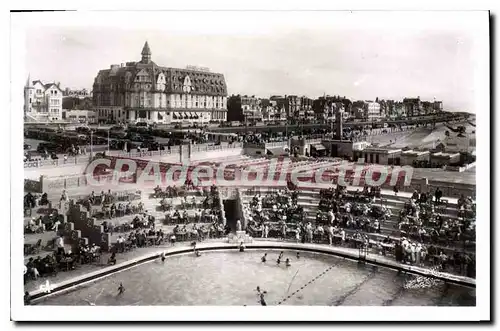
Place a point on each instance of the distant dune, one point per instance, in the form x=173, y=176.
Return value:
x=426, y=137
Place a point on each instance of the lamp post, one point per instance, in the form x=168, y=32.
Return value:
x=91, y=144
x=108, y=139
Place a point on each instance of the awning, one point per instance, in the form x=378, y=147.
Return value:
x=276, y=151
x=319, y=147
x=186, y=116
x=175, y=115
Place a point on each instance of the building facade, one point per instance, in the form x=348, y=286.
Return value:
x=413, y=106
x=367, y=110
x=42, y=102
x=146, y=92
x=80, y=94
x=80, y=116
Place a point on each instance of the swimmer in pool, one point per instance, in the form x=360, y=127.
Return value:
x=197, y=253
x=288, y=264
x=121, y=289
x=262, y=299
x=281, y=255
x=264, y=258
x=278, y=261
x=162, y=257
x=298, y=255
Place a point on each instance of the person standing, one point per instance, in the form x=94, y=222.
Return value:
x=438, y=195
x=330, y=234
x=283, y=230
x=60, y=245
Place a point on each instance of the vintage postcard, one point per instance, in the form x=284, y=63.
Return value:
x=322, y=164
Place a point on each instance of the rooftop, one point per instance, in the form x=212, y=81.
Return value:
x=415, y=152
x=441, y=154
x=382, y=150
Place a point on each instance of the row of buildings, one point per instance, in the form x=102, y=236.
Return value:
x=142, y=91
x=292, y=107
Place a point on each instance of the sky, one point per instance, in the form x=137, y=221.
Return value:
x=360, y=56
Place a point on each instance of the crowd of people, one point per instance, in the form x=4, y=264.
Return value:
x=427, y=233
x=422, y=232
x=139, y=232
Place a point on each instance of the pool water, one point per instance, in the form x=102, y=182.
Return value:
x=231, y=278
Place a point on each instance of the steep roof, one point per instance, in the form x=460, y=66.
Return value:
x=146, y=50
x=49, y=85
x=202, y=82
x=124, y=77
x=28, y=82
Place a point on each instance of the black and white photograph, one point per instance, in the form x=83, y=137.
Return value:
x=328, y=165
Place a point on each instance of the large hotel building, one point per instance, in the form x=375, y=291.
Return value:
x=145, y=92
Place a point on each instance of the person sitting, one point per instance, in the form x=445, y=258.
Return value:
x=112, y=259
x=44, y=200
x=31, y=269
x=395, y=189
x=64, y=196
x=264, y=258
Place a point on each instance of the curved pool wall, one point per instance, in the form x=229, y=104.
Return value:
x=350, y=254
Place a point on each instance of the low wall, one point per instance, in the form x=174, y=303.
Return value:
x=461, y=169
x=215, y=153
x=55, y=163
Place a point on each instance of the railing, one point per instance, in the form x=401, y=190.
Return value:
x=276, y=144
x=56, y=163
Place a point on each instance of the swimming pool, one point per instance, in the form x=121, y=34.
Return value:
x=230, y=278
